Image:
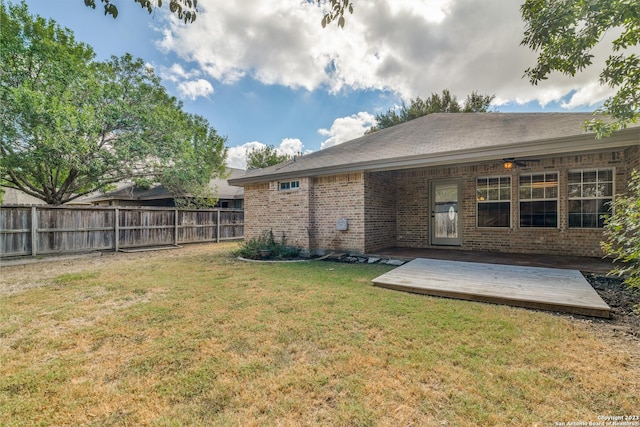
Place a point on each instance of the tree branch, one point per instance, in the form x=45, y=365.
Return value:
x=23, y=185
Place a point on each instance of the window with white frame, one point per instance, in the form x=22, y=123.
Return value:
x=289, y=185
x=493, y=201
x=590, y=193
x=539, y=199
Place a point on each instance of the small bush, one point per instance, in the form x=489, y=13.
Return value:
x=265, y=246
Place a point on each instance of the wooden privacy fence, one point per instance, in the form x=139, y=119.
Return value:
x=43, y=229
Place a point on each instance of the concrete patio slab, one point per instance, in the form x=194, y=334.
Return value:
x=531, y=287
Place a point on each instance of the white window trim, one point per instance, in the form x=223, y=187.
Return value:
x=291, y=187
x=557, y=199
x=496, y=201
x=613, y=191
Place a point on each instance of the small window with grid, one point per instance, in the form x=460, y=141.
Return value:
x=289, y=185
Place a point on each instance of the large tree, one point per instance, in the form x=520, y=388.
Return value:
x=259, y=158
x=70, y=126
x=445, y=103
x=564, y=35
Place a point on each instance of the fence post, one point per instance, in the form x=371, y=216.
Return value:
x=175, y=229
x=116, y=229
x=34, y=231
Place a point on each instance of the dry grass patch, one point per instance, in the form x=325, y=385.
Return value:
x=195, y=337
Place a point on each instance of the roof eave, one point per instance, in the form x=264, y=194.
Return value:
x=574, y=144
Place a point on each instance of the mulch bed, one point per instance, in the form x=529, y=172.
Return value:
x=623, y=300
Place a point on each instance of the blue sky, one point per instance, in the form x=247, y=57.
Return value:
x=265, y=72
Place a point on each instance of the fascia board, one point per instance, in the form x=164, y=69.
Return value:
x=546, y=148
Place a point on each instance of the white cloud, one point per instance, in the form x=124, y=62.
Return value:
x=432, y=11
x=252, y=37
x=176, y=73
x=188, y=84
x=290, y=146
x=410, y=47
x=237, y=156
x=195, y=88
x=590, y=94
x=347, y=128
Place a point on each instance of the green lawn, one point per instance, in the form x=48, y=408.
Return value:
x=195, y=337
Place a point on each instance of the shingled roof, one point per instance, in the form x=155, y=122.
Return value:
x=445, y=138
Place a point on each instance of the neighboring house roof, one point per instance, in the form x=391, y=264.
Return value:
x=220, y=187
x=13, y=196
x=226, y=190
x=17, y=197
x=448, y=138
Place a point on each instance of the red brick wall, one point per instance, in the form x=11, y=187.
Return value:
x=395, y=208
x=332, y=198
x=380, y=210
x=413, y=208
x=268, y=208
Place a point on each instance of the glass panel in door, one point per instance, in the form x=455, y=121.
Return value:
x=445, y=218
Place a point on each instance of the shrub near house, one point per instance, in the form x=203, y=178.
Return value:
x=265, y=246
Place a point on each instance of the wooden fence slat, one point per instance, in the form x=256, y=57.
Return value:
x=218, y=228
x=63, y=229
x=34, y=231
x=175, y=227
x=116, y=229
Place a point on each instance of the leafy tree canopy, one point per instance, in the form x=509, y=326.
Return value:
x=259, y=158
x=70, y=126
x=564, y=33
x=445, y=103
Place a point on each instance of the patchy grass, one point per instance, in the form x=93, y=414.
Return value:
x=195, y=337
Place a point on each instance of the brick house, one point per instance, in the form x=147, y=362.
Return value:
x=506, y=182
